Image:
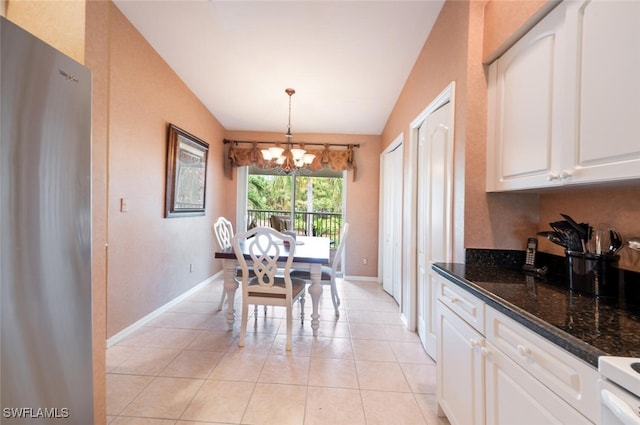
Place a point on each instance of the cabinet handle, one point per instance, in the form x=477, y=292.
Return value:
x=565, y=174
x=551, y=177
x=620, y=409
x=524, y=351
x=484, y=351
x=475, y=342
x=454, y=299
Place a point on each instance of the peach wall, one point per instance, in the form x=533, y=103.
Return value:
x=59, y=23
x=491, y=220
x=441, y=61
x=453, y=52
x=362, y=195
x=96, y=57
x=618, y=206
x=505, y=21
x=149, y=255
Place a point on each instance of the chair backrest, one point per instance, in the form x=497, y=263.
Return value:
x=265, y=247
x=337, y=259
x=281, y=222
x=224, y=232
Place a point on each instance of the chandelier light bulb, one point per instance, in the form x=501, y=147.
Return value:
x=298, y=153
x=276, y=152
x=308, y=158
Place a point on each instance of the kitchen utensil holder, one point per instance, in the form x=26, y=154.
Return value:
x=593, y=274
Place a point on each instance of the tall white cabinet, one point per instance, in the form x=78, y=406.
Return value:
x=563, y=100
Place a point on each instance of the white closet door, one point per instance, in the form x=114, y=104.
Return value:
x=434, y=234
x=392, y=221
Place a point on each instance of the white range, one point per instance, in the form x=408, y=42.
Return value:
x=619, y=390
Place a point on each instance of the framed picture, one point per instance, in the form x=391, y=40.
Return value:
x=186, y=174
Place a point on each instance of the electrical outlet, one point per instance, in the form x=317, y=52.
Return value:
x=365, y=261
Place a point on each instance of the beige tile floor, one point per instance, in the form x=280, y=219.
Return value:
x=185, y=368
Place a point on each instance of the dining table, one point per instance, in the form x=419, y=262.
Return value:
x=310, y=253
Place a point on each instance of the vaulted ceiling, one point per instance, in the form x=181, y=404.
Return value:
x=347, y=60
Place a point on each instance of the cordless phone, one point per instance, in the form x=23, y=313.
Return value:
x=532, y=246
x=530, y=258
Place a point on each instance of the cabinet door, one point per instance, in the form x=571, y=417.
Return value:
x=604, y=39
x=516, y=397
x=459, y=369
x=567, y=376
x=525, y=95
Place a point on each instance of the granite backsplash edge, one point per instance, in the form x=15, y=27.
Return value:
x=557, y=268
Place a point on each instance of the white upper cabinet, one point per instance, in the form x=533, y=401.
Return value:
x=524, y=127
x=564, y=101
x=604, y=88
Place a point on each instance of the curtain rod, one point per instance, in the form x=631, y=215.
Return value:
x=355, y=145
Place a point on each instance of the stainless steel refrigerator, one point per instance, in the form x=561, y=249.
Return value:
x=45, y=234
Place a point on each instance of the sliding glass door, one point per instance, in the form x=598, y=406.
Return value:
x=309, y=204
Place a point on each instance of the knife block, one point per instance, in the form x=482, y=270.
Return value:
x=593, y=274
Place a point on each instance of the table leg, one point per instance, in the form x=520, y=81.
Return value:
x=230, y=287
x=315, y=290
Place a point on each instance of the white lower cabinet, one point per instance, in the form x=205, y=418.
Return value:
x=459, y=369
x=513, y=396
x=569, y=378
x=505, y=374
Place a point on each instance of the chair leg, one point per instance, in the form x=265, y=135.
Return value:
x=243, y=324
x=302, y=301
x=335, y=298
x=255, y=311
x=289, y=327
x=222, y=298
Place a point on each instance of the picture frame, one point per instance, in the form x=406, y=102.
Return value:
x=186, y=186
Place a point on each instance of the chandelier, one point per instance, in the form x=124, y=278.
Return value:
x=288, y=158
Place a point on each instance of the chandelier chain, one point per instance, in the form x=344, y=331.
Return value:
x=290, y=92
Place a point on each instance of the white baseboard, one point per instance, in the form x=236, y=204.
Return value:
x=157, y=312
x=363, y=278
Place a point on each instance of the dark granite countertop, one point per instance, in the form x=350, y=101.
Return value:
x=586, y=326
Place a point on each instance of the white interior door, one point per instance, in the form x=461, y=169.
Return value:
x=391, y=209
x=434, y=207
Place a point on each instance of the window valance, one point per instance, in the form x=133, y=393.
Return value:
x=337, y=157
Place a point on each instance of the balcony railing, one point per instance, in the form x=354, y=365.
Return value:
x=305, y=223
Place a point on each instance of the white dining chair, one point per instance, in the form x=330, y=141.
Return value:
x=271, y=285
x=223, y=229
x=329, y=272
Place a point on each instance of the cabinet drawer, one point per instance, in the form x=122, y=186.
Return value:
x=463, y=303
x=566, y=375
